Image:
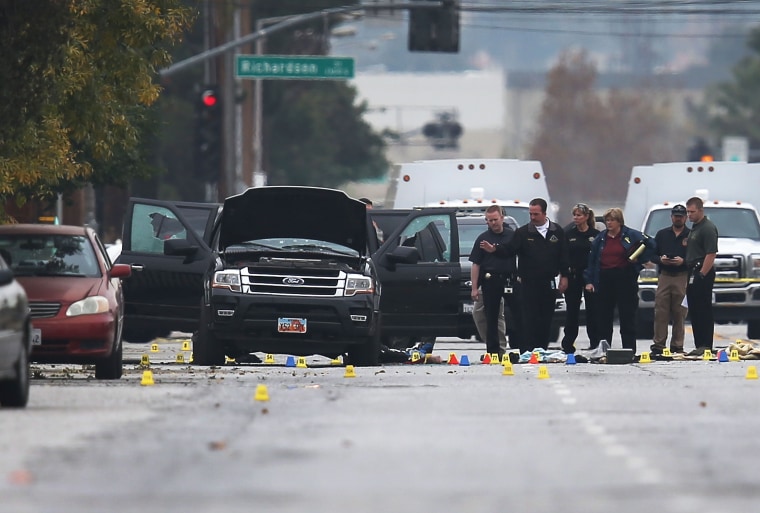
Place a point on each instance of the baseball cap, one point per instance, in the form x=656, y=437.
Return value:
x=678, y=210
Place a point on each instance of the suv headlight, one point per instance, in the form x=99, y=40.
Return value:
x=227, y=280
x=87, y=306
x=754, y=260
x=358, y=284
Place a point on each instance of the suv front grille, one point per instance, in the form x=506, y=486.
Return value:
x=44, y=310
x=284, y=282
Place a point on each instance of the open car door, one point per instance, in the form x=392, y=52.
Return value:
x=168, y=246
x=418, y=269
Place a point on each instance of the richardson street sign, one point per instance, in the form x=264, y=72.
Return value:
x=294, y=67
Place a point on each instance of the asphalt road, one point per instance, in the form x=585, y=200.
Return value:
x=661, y=437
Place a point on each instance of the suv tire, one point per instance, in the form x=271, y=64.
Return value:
x=206, y=349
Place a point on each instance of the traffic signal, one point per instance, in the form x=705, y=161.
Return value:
x=443, y=133
x=434, y=29
x=208, y=135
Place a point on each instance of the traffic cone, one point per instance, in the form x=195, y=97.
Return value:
x=734, y=356
x=147, y=378
x=722, y=356
x=543, y=372
x=645, y=358
x=186, y=345
x=350, y=373
x=453, y=359
x=465, y=361
x=269, y=358
x=533, y=358
x=145, y=360
x=262, y=394
x=505, y=359
x=666, y=352
x=336, y=361
x=416, y=356
x=571, y=359
x=486, y=359
x=290, y=362
x=508, y=370
x=180, y=358
x=495, y=360
x=301, y=364
x=707, y=355
x=751, y=372
x=154, y=348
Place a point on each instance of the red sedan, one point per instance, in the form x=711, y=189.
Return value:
x=75, y=294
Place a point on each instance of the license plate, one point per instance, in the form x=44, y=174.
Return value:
x=291, y=325
x=467, y=308
x=36, y=337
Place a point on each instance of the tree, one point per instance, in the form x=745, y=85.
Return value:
x=78, y=83
x=314, y=132
x=588, y=142
x=734, y=107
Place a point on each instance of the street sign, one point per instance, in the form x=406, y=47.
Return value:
x=294, y=67
x=736, y=149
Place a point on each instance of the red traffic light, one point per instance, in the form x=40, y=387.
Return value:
x=209, y=98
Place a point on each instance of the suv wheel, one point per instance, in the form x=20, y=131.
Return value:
x=368, y=353
x=206, y=348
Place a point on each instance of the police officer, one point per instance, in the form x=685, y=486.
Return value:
x=541, y=248
x=492, y=273
x=701, y=249
x=671, y=285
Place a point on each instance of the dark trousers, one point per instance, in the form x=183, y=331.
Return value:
x=699, y=296
x=513, y=316
x=618, y=288
x=538, y=300
x=575, y=291
x=492, y=289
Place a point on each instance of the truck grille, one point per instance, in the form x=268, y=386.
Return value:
x=283, y=282
x=728, y=267
x=44, y=310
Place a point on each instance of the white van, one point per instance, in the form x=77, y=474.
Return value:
x=470, y=182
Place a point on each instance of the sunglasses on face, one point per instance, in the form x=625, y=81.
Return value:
x=582, y=207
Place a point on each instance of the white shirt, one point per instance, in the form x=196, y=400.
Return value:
x=543, y=229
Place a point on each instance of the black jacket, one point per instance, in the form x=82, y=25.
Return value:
x=539, y=257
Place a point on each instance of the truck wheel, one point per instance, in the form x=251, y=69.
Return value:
x=753, y=329
x=206, y=349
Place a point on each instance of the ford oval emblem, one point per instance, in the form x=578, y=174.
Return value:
x=292, y=280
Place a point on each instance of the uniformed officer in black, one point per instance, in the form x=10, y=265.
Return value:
x=492, y=273
x=541, y=248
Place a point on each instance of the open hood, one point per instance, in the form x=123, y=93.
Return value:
x=299, y=212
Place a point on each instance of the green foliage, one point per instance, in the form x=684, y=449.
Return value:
x=734, y=107
x=314, y=133
x=77, y=86
x=316, y=136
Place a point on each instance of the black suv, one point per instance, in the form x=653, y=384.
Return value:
x=288, y=270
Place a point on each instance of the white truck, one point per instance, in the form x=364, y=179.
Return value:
x=730, y=192
x=470, y=184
